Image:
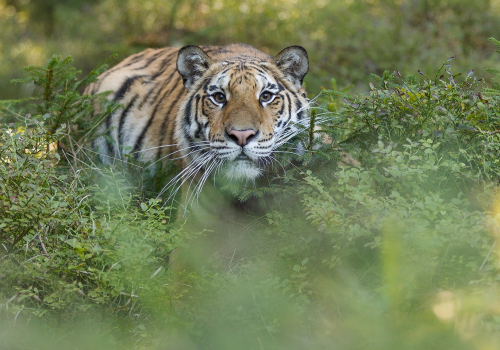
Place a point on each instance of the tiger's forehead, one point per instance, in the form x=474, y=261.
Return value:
x=242, y=75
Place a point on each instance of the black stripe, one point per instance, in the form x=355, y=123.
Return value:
x=205, y=85
x=158, y=91
x=118, y=96
x=282, y=121
x=165, y=120
x=164, y=63
x=282, y=104
x=125, y=86
x=138, y=143
x=133, y=59
x=198, y=125
x=190, y=139
x=260, y=70
x=298, y=106
x=150, y=60
x=227, y=70
x=175, y=82
x=107, y=136
x=289, y=109
x=122, y=120
x=187, y=113
x=147, y=95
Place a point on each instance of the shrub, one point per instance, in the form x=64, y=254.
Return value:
x=393, y=251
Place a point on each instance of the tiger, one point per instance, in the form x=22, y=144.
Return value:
x=213, y=108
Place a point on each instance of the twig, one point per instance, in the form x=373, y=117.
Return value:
x=488, y=255
x=41, y=242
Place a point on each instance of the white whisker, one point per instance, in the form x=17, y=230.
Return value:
x=185, y=174
x=282, y=167
x=295, y=154
x=198, y=149
x=192, y=173
x=197, y=190
x=172, y=145
x=191, y=182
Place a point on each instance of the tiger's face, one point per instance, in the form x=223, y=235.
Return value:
x=239, y=111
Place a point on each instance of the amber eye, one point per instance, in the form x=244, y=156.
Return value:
x=220, y=97
x=266, y=96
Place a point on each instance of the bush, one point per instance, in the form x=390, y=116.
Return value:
x=394, y=250
x=72, y=237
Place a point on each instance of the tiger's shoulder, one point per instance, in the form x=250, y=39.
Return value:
x=143, y=84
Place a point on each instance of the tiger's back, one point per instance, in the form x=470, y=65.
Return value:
x=150, y=89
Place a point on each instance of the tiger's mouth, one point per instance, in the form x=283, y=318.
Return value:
x=242, y=168
x=242, y=156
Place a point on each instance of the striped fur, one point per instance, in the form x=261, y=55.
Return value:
x=173, y=108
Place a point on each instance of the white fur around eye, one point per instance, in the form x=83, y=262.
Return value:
x=269, y=101
x=219, y=104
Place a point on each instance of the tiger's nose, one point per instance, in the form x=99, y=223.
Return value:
x=241, y=136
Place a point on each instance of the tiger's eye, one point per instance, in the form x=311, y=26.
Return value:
x=266, y=96
x=220, y=97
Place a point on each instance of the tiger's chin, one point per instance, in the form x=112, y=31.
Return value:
x=242, y=170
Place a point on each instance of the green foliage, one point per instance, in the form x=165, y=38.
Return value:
x=392, y=246
x=67, y=244
x=59, y=101
x=453, y=115
x=71, y=239
x=31, y=191
x=416, y=213
x=423, y=145
x=496, y=84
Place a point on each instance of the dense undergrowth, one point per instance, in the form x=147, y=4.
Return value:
x=391, y=247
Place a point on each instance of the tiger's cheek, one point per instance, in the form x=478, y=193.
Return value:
x=275, y=110
x=207, y=109
x=214, y=116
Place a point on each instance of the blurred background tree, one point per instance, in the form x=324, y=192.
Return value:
x=346, y=39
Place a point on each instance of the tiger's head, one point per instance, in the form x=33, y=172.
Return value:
x=239, y=108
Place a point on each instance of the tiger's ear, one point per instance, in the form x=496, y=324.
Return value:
x=192, y=63
x=294, y=64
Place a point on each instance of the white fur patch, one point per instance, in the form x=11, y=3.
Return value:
x=242, y=169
